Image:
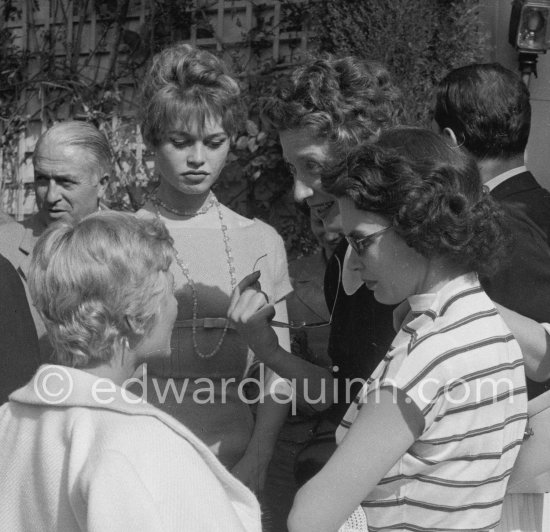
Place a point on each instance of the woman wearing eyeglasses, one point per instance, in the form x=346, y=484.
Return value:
x=429, y=442
x=328, y=103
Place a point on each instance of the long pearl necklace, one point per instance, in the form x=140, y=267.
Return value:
x=203, y=210
x=194, y=295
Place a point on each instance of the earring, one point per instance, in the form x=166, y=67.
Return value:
x=126, y=344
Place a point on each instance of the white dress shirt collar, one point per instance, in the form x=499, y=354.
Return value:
x=497, y=180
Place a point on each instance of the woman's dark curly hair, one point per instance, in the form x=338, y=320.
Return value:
x=185, y=85
x=431, y=191
x=345, y=100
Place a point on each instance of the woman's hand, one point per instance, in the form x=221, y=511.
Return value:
x=251, y=312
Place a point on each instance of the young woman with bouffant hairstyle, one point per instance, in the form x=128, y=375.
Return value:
x=191, y=108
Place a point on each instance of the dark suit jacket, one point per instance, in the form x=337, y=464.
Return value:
x=17, y=241
x=523, y=284
x=19, y=355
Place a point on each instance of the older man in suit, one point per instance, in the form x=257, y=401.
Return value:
x=72, y=165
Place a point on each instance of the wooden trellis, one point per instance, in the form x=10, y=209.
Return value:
x=77, y=35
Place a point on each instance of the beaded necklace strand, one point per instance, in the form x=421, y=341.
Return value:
x=203, y=210
x=213, y=201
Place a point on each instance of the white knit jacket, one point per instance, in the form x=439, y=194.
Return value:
x=108, y=462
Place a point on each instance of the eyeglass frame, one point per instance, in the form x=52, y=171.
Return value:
x=314, y=325
x=358, y=244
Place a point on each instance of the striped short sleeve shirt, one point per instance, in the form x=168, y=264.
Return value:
x=457, y=361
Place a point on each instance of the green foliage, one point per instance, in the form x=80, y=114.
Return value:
x=418, y=40
x=257, y=181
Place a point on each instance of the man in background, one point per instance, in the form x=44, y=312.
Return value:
x=72, y=166
x=327, y=106
x=485, y=109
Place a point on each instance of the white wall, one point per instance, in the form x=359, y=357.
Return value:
x=497, y=14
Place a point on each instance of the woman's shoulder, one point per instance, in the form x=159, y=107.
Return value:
x=233, y=218
x=264, y=230
x=253, y=225
x=267, y=230
x=136, y=429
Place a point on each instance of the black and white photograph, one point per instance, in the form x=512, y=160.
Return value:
x=274, y=265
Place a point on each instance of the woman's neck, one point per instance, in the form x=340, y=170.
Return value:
x=438, y=273
x=180, y=201
x=114, y=371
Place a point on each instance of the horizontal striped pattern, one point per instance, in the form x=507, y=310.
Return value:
x=472, y=457
x=446, y=482
x=406, y=526
x=459, y=364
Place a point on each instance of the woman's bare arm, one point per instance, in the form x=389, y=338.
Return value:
x=385, y=428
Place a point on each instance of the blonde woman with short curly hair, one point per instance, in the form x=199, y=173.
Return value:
x=80, y=451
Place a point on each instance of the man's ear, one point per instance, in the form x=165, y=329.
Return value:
x=448, y=132
x=102, y=186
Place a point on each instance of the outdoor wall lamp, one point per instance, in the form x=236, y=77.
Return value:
x=529, y=33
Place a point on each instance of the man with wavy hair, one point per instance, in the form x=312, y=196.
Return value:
x=328, y=106
x=325, y=107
